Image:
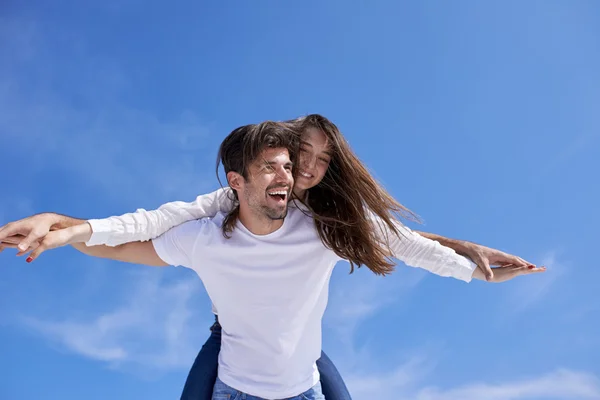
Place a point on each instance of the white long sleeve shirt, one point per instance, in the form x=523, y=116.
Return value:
x=411, y=248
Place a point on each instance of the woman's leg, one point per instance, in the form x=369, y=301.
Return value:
x=203, y=374
x=332, y=384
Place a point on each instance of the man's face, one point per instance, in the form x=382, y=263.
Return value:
x=269, y=184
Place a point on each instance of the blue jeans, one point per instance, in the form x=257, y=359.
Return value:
x=203, y=374
x=224, y=392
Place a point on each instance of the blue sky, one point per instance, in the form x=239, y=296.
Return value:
x=481, y=117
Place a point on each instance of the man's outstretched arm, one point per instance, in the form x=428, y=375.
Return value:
x=134, y=252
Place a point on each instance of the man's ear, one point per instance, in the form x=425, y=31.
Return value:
x=235, y=180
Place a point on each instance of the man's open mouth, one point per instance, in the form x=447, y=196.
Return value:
x=278, y=194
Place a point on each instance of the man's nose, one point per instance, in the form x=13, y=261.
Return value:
x=282, y=175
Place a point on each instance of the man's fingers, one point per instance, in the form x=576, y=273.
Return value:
x=7, y=230
x=14, y=239
x=7, y=246
x=4, y=245
x=525, y=261
x=505, y=264
x=484, y=266
x=514, y=260
x=2, y=228
x=33, y=236
x=33, y=246
x=503, y=260
x=534, y=270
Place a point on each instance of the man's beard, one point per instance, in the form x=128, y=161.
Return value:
x=274, y=214
x=271, y=213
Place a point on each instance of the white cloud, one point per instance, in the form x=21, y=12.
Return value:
x=561, y=384
x=408, y=381
x=156, y=327
x=390, y=382
x=359, y=298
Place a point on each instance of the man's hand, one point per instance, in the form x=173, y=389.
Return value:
x=26, y=233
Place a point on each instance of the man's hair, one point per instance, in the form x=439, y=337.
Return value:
x=244, y=145
x=345, y=203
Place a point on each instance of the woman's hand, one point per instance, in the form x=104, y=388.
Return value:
x=508, y=272
x=49, y=240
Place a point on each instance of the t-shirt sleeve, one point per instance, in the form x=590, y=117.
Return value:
x=177, y=246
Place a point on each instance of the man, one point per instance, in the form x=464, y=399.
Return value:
x=264, y=268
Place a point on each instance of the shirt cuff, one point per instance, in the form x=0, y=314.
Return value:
x=101, y=231
x=465, y=272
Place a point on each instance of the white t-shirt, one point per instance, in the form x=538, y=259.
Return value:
x=271, y=292
x=280, y=280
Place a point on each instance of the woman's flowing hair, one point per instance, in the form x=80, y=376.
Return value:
x=351, y=209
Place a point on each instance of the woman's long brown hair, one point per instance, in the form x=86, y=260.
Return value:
x=343, y=201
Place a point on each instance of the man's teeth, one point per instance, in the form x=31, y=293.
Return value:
x=279, y=192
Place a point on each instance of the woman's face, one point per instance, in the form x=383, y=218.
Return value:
x=315, y=155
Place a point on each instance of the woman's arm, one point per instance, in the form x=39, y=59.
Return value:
x=418, y=251
x=145, y=225
x=483, y=256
